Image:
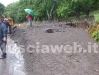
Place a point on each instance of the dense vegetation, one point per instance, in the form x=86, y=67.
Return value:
x=94, y=29
x=49, y=9
x=2, y=7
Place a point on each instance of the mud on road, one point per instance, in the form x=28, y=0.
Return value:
x=57, y=63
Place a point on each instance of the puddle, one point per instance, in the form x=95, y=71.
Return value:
x=14, y=63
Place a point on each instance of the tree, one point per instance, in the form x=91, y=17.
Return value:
x=65, y=8
x=84, y=6
x=2, y=7
x=49, y=9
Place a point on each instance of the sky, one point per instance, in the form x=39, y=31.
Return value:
x=6, y=2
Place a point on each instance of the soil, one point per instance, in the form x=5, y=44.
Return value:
x=59, y=63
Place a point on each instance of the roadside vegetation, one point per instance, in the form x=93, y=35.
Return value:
x=94, y=28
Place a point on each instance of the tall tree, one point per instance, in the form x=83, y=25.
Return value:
x=2, y=7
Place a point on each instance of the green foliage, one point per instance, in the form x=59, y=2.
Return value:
x=95, y=35
x=64, y=8
x=96, y=17
x=2, y=7
x=94, y=30
x=16, y=11
x=49, y=9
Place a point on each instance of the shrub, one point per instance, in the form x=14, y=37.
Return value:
x=94, y=30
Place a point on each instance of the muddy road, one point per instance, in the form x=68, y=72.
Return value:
x=42, y=60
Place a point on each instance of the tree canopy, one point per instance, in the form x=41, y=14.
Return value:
x=2, y=7
x=49, y=9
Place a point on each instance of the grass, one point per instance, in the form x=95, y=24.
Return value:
x=94, y=12
x=83, y=15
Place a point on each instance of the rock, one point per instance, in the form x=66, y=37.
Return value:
x=14, y=27
x=96, y=70
x=82, y=24
x=69, y=23
x=49, y=30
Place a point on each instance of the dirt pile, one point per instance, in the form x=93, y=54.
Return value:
x=57, y=63
x=82, y=24
x=18, y=35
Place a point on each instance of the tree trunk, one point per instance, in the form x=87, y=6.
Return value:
x=78, y=15
x=87, y=14
x=49, y=14
x=78, y=11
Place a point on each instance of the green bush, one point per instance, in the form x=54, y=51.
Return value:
x=94, y=30
x=96, y=17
